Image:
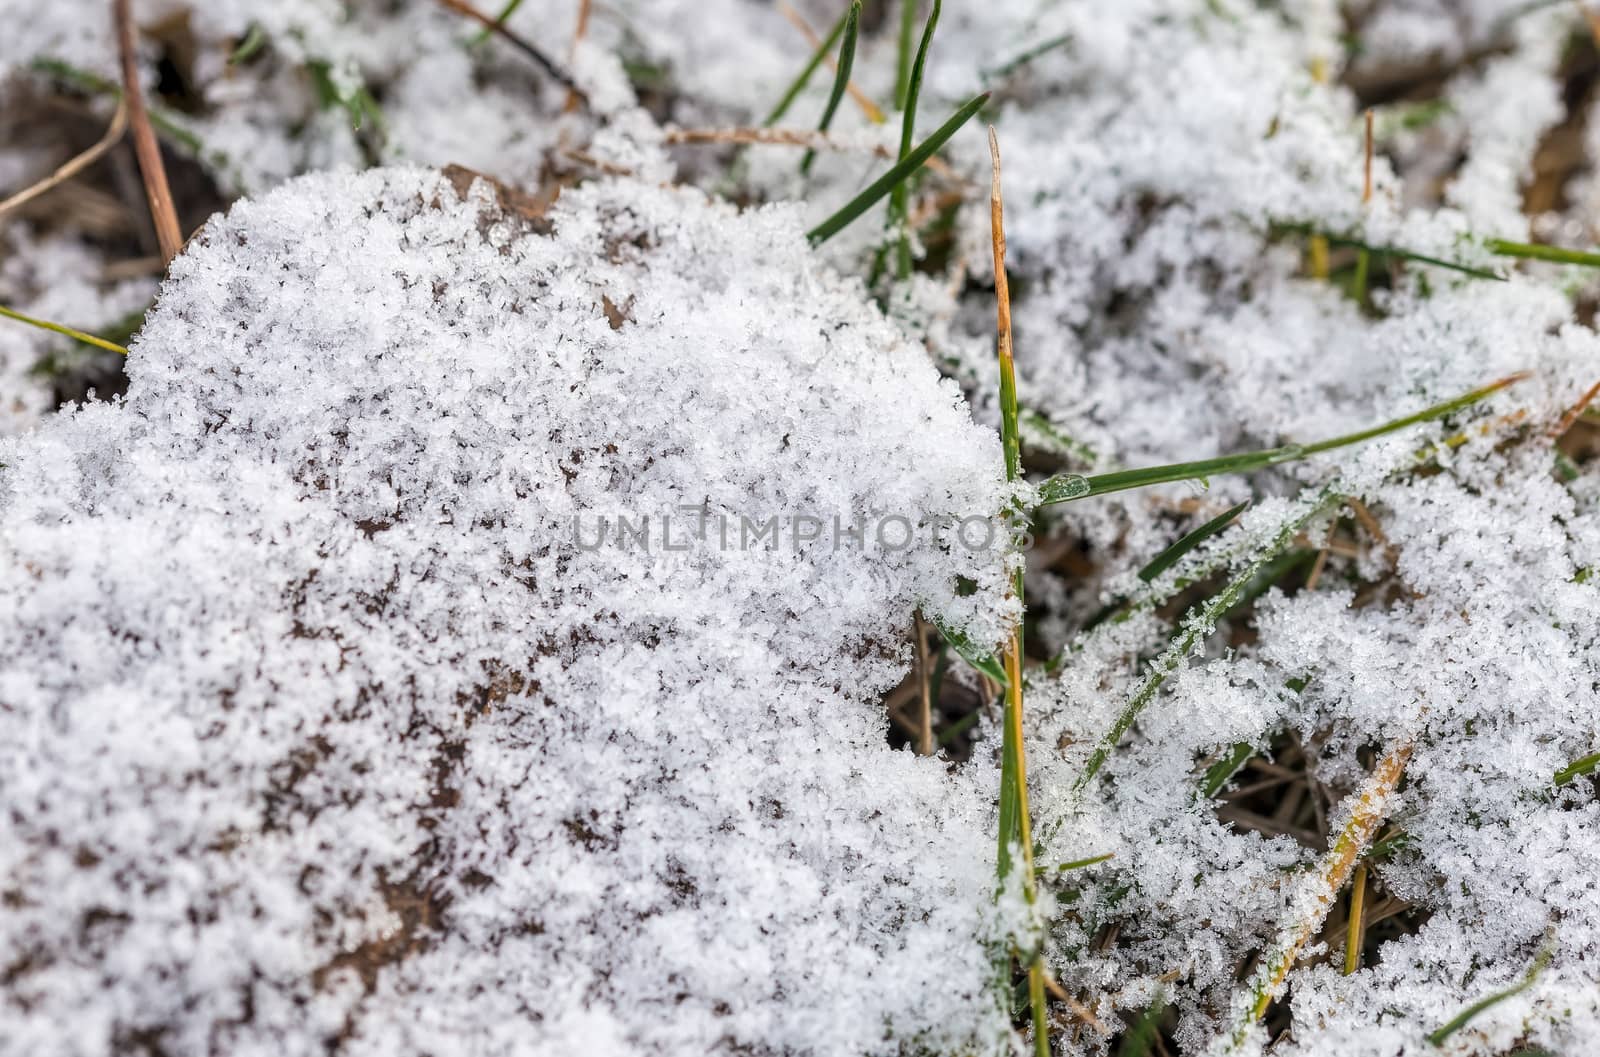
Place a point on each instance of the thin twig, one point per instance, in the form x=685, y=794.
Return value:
x=925, y=742
x=114, y=133
x=786, y=137
x=811, y=139
x=162, y=212
x=578, y=33
x=1366, y=177
x=1577, y=409
x=873, y=112
x=540, y=59
x=1322, y=560
x=1079, y=1010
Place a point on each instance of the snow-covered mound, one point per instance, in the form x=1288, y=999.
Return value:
x=341, y=714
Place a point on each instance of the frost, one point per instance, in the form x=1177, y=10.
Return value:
x=324, y=729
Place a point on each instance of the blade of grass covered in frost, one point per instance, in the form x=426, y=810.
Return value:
x=900, y=196
x=1139, y=1038
x=1577, y=769
x=979, y=658
x=804, y=76
x=1370, y=807
x=1016, y=824
x=1221, y=772
x=1169, y=557
x=75, y=335
x=1197, y=625
x=1461, y=1019
x=1039, y=432
x=1064, y=488
x=899, y=172
x=841, y=79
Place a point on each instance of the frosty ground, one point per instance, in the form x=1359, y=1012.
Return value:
x=346, y=707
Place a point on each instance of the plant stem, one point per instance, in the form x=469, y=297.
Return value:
x=1352, y=939
x=887, y=182
x=76, y=335
x=162, y=212
x=1067, y=487
x=1015, y=820
x=804, y=76
x=912, y=92
x=841, y=79
x=1325, y=884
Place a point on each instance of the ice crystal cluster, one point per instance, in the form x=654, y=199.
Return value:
x=332, y=723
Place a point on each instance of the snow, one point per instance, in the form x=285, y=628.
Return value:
x=305, y=664
x=325, y=720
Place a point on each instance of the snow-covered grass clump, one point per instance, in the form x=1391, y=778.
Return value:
x=339, y=715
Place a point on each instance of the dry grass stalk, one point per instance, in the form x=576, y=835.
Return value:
x=151, y=167
x=925, y=742
x=1323, y=887
x=495, y=26
x=578, y=33
x=785, y=137
x=114, y=133
x=1352, y=943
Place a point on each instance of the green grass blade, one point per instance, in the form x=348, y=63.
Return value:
x=75, y=335
x=1197, y=625
x=499, y=20
x=1064, y=488
x=1139, y=1038
x=1039, y=432
x=1389, y=251
x=1169, y=557
x=255, y=38
x=902, y=72
x=804, y=77
x=93, y=84
x=1461, y=1019
x=903, y=169
x=899, y=198
x=1529, y=251
x=1577, y=769
x=1015, y=63
x=1228, y=764
x=969, y=651
x=1390, y=846
x=841, y=79
x=1078, y=864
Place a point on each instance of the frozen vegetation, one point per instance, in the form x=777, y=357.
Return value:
x=492, y=607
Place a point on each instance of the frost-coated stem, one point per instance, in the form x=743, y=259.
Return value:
x=1015, y=820
x=1321, y=890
